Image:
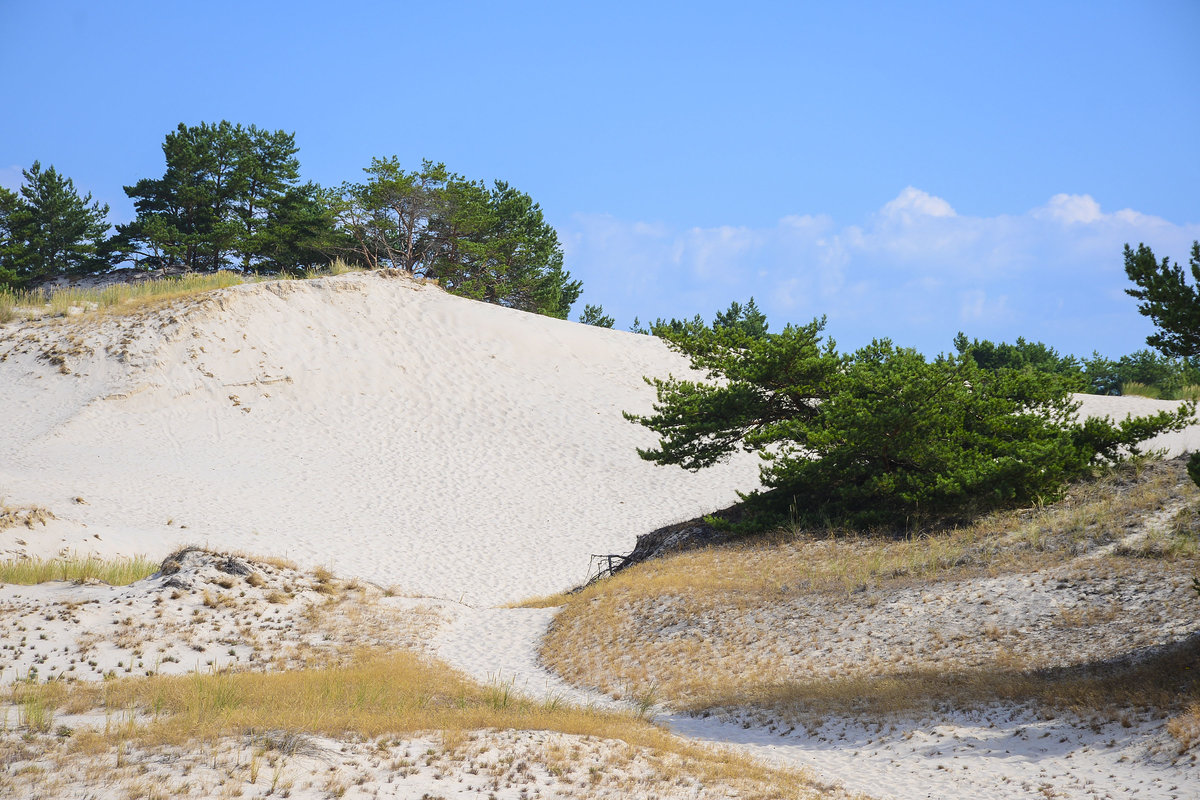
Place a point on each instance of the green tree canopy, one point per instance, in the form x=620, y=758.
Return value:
x=748, y=318
x=594, y=315
x=1167, y=299
x=1164, y=374
x=48, y=230
x=488, y=243
x=1022, y=355
x=879, y=436
x=10, y=249
x=229, y=197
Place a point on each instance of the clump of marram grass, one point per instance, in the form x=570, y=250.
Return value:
x=1189, y=392
x=1137, y=389
x=113, y=571
x=7, y=306
x=1185, y=728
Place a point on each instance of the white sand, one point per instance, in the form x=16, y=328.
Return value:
x=396, y=433
x=1118, y=408
x=451, y=449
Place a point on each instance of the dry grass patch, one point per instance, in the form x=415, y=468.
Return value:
x=115, y=298
x=28, y=516
x=126, y=298
x=380, y=694
x=1164, y=681
x=1024, y=605
x=79, y=569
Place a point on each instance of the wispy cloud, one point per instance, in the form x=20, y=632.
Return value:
x=916, y=271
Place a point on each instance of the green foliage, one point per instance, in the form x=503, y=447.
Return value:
x=1167, y=299
x=300, y=232
x=1023, y=355
x=10, y=247
x=748, y=319
x=1193, y=467
x=48, y=230
x=880, y=436
x=594, y=315
x=228, y=197
x=1166, y=377
x=488, y=243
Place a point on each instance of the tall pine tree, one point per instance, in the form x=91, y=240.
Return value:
x=225, y=198
x=488, y=244
x=48, y=230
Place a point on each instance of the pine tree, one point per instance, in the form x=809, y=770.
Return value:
x=594, y=315
x=880, y=436
x=49, y=230
x=216, y=202
x=1172, y=304
x=491, y=244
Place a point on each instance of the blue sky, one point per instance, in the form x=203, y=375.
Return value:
x=908, y=170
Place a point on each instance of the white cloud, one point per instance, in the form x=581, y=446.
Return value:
x=915, y=271
x=1071, y=208
x=912, y=203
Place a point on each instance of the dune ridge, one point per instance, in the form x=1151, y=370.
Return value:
x=370, y=424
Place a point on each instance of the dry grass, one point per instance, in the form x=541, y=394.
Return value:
x=28, y=516
x=117, y=297
x=1186, y=728
x=1137, y=389
x=381, y=694
x=1162, y=682
x=115, y=572
x=126, y=298
x=813, y=621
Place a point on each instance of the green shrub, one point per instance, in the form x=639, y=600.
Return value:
x=1193, y=467
x=881, y=436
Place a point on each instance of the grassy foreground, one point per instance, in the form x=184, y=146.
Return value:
x=380, y=695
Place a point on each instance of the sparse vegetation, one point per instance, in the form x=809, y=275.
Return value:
x=129, y=297
x=28, y=516
x=729, y=626
x=378, y=696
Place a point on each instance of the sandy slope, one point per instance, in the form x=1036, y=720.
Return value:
x=374, y=425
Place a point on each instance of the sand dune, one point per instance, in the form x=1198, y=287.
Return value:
x=373, y=425
x=370, y=424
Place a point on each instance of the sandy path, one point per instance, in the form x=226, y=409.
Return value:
x=499, y=646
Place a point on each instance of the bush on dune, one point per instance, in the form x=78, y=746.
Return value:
x=880, y=436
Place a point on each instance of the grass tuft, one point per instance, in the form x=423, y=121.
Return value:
x=115, y=572
x=1141, y=390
